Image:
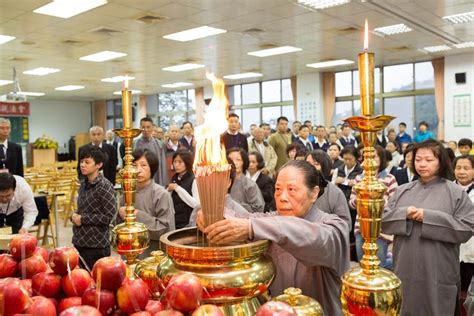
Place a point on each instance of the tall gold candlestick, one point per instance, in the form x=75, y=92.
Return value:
x=366, y=77
x=127, y=106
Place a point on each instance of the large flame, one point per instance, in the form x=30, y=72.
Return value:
x=209, y=151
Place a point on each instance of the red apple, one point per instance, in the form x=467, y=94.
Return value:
x=8, y=266
x=30, y=266
x=54, y=301
x=13, y=297
x=46, y=284
x=275, y=308
x=42, y=252
x=154, y=307
x=184, y=292
x=22, y=246
x=76, y=282
x=132, y=296
x=63, y=259
x=110, y=271
x=41, y=306
x=169, y=312
x=208, y=310
x=81, y=311
x=103, y=299
x=145, y=313
x=26, y=283
x=67, y=302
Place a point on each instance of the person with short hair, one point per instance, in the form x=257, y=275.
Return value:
x=402, y=136
x=260, y=145
x=280, y=140
x=320, y=141
x=255, y=172
x=11, y=157
x=150, y=143
x=347, y=139
x=309, y=124
x=295, y=131
x=232, y=137
x=429, y=218
x=423, y=133
x=465, y=146
x=266, y=130
x=392, y=148
x=188, y=138
x=453, y=145
x=405, y=173
x=303, y=138
x=334, y=151
x=17, y=203
x=96, y=208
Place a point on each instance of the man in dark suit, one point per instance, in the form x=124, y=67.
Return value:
x=347, y=139
x=11, y=157
x=232, y=137
x=405, y=175
x=96, y=134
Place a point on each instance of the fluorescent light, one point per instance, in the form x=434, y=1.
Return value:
x=117, y=79
x=5, y=82
x=464, y=45
x=5, y=38
x=41, y=71
x=133, y=92
x=69, y=88
x=321, y=4
x=393, y=29
x=68, y=8
x=182, y=67
x=330, y=63
x=439, y=48
x=243, y=75
x=275, y=51
x=192, y=34
x=31, y=94
x=460, y=18
x=103, y=56
x=177, y=85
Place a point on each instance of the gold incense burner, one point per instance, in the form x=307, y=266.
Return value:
x=236, y=278
x=303, y=305
x=147, y=269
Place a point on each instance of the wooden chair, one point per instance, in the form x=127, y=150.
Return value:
x=39, y=183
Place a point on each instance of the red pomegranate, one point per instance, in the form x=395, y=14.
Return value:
x=184, y=292
x=132, y=296
x=13, y=297
x=104, y=300
x=63, y=259
x=46, y=284
x=22, y=246
x=30, y=266
x=8, y=266
x=109, y=272
x=41, y=306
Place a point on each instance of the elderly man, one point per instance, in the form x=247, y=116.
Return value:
x=17, y=203
x=96, y=135
x=11, y=158
x=266, y=150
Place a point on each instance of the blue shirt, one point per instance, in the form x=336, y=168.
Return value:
x=405, y=138
x=420, y=137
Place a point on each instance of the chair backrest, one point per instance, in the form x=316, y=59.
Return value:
x=39, y=183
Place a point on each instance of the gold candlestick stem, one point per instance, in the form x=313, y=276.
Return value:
x=127, y=108
x=366, y=79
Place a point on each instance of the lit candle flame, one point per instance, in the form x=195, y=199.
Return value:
x=125, y=85
x=366, y=35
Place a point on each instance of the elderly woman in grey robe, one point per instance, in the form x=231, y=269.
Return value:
x=310, y=248
x=153, y=203
x=429, y=218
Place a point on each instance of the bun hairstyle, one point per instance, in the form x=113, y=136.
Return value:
x=312, y=177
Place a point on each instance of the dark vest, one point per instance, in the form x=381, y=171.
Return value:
x=182, y=211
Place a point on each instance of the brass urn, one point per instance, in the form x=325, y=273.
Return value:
x=147, y=269
x=303, y=305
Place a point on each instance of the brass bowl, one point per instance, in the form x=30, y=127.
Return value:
x=231, y=275
x=369, y=123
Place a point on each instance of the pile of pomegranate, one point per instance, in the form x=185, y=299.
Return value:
x=37, y=283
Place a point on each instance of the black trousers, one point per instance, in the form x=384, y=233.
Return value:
x=15, y=220
x=89, y=256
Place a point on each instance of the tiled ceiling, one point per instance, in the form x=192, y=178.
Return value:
x=334, y=33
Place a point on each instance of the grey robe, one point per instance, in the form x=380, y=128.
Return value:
x=333, y=201
x=310, y=253
x=426, y=255
x=154, y=146
x=246, y=193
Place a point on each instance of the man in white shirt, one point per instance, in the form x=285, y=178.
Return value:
x=17, y=203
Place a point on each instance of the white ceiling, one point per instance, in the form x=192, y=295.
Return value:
x=46, y=41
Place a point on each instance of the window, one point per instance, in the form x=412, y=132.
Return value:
x=270, y=115
x=402, y=109
x=424, y=74
x=343, y=110
x=343, y=84
x=425, y=110
x=398, y=78
x=249, y=116
x=286, y=92
x=271, y=91
x=251, y=93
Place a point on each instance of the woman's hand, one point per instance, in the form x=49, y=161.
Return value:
x=172, y=186
x=200, y=220
x=340, y=180
x=228, y=231
x=415, y=214
x=123, y=213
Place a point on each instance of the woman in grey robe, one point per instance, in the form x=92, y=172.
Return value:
x=429, y=218
x=153, y=203
x=309, y=248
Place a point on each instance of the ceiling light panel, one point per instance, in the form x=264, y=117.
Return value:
x=243, y=75
x=117, y=79
x=183, y=67
x=5, y=38
x=464, y=45
x=69, y=88
x=68, y=8
x=275, y=51
x=330, y=63
x=321, y=4
x=460, y=18
x=177, y=85
x=133, y=92
x=393, y=29
x=435, y=49
x=41, y=71
x=103, y=56
x=193, y=34
x=31, y=94
x=5, y=82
